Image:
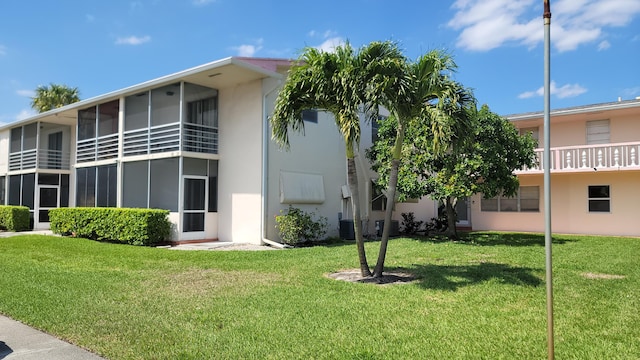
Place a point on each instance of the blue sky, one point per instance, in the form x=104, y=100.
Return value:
x=102, y=46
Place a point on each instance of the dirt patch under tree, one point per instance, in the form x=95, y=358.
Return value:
x=387, y=278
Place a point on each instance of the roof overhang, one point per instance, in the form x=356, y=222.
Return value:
x=219, y=74
x=618, y=107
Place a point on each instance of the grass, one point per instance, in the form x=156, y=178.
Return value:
x=481, y=299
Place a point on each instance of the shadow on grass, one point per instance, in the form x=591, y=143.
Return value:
x=452, y=277
x=493, y=239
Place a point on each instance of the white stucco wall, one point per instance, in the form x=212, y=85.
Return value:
x=239, y=167
x=320, y=151
x=5, y=137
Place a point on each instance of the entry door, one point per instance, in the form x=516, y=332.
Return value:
x=47, y=199
x=463, y=210
x=195, y=203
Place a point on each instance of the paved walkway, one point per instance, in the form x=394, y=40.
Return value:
x=21, y=342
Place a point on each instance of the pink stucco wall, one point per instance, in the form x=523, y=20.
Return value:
x=569, y=206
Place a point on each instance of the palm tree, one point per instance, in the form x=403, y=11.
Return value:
x=53, y=96
x=425, y=94
x=340, y=82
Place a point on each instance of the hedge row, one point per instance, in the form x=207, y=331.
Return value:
x=131, y=226
x=14, y=218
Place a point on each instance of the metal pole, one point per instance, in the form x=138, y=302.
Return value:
x=547, y=178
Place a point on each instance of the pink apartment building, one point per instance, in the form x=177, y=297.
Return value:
x=595, y=175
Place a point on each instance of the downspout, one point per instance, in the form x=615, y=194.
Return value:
x=265, y=169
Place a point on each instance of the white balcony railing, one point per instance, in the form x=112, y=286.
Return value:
x=620, y=156
x=41, y=159
x=100, y=148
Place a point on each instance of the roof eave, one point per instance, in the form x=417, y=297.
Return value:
x=146, y=85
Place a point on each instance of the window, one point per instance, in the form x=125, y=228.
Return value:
x=375, y=124
x=16, y=139
x=28, y=190
x=165, y=105
x=107, y=186
x=597, y=132
x=378, y=200
x=203, y=112
x=136, y=111
x=86, y=187
x=2, y=189
x=95, y=190
x=213, y=185
x=87, y=123
x=108, y=118
x=599, y=198
x=164, y=183
x=15, y=189
x=310, y=116
x=534, y=133
x=135, y=184
x=201, y=128
x=526, y=200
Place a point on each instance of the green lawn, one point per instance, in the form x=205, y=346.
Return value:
x=479, y=300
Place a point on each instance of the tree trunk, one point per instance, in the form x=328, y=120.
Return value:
x=357, y=221
x=391, y=199
x=391, y=195
x=451, y=217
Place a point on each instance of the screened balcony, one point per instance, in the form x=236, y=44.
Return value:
x=176, y=117
x=620, y=156
x=40, y=146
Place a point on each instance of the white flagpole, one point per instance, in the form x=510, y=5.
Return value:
x=547, y=178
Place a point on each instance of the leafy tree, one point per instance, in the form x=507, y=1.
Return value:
x=53, y=96
x=426, y=94
x=481, y=160
x=341, y=82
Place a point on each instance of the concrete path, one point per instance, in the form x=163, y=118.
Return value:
x=21, y=342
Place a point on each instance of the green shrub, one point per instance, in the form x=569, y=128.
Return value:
x=131, y=226
x=409, y=223
x=297, y=226
x=14, y=218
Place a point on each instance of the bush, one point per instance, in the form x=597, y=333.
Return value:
x=296, y=226
x=131, y=226
x=409, y=223
x=438, y=225
x=14, y=218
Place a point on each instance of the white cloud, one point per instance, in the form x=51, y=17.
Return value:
x=202, y=2
x=3, y=50
x=565, y=91
x=248, y=50
x=26, y=113
x=330, y=44
x=26, y=93
x=604, y=45
x=488, y=24
x=133, y=40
